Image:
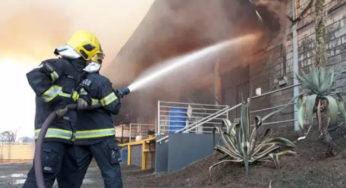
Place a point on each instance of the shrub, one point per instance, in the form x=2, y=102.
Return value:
x=241, y=146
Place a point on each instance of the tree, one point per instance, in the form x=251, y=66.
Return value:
x=8, y=136
x=320, y=51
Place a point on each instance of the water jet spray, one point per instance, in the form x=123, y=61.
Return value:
x=169, y=65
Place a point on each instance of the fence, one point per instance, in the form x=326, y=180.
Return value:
x=140, y=130
x=218, y=114
x=172, y=116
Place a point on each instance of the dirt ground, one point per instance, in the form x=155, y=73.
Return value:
x=310, y=168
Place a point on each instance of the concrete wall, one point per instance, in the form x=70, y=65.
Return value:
x=263, y=73
x=273, y=62
x=277, y=60
x=184, y=149
x=161, y=156
x=10, y=153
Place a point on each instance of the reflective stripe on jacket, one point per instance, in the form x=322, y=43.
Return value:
x=53, y=83
x=96, y=133
x=98, y=123
x=56, y=133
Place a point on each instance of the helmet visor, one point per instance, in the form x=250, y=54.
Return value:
x=98, y=58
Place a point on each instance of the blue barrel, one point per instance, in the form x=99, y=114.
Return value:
x=123, y=154
x=177, y=123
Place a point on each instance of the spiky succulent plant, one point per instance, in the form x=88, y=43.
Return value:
x=241, y=146
x=321, y=94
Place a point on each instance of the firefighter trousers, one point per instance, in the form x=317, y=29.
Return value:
x=106, y=154
x=57, y=158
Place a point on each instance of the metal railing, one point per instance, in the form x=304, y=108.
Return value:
x=225, y=111
x=176, y=116
x=140, y=131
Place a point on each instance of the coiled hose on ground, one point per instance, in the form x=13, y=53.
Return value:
x=39, y=142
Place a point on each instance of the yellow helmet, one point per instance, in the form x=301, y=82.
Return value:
x=85, y=44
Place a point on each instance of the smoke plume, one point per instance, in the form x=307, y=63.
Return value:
x=175, y=27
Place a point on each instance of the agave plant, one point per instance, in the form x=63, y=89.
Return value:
x=241, y=146
x=321, y=98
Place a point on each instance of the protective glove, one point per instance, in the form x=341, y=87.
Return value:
x=61, y=112
x=81, y=104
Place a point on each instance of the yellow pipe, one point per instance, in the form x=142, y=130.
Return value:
x=128, y=155
x=143, y=156
x=122, y=145
x=137, y=142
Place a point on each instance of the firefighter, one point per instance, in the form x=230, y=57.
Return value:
x=95, y=136
x=53, y=83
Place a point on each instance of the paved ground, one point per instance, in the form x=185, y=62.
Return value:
x=14, y=175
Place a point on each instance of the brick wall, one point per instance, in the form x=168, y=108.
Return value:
x=277, y=60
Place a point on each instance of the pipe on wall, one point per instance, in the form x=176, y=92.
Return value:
x=295, y=62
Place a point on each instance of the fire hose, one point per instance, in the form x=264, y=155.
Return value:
x=44, y=128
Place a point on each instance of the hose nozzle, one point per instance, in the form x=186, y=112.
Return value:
x=122, y=93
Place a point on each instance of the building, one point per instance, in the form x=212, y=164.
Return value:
x=174, y=27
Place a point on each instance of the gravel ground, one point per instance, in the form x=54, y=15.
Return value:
x=13, y=175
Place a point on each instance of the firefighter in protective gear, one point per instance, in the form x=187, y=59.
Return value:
x=53, y=83
x=95, y=129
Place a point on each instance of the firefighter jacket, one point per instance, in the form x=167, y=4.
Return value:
x=53, y=83
x=94, y=126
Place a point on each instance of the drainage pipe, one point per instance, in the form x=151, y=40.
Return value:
x=295, y=62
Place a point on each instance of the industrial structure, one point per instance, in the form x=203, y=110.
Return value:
x=267, y=73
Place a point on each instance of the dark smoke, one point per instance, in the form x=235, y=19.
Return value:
x=175, y=27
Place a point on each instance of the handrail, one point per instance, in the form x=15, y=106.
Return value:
x=140, y=124
x=275, y=122
x=199, y=113
x=192, y=103
x=196, y=117
x=265, y=109
x=215, y=116
x=191, y=108
x=174, y=121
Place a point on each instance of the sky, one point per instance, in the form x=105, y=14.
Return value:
x=31, y=30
